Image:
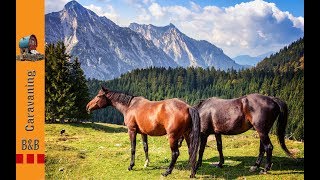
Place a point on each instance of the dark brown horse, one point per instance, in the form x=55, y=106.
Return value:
x=235, y=116
x=173, y=117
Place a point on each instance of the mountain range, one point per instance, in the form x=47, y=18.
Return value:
x=106, y=50
x=251, y=60
x=184, y=50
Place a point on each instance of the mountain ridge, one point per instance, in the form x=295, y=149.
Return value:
x=251, y=60
x=185, y=50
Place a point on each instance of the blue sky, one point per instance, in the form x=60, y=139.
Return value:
x=236, y=26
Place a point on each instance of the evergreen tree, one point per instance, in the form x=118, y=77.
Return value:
x=80, y=89
x=58, y=94
x=66, y=92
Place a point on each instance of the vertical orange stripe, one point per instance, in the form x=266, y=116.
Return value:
x=30, y=20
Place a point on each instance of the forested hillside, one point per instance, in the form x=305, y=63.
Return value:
x=289, y=58
x=281, y=75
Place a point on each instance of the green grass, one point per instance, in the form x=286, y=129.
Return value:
x=102, y=151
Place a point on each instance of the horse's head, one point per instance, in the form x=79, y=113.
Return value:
x=99, y=101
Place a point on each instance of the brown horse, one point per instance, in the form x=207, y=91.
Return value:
x=173, y=117
x=235, y=116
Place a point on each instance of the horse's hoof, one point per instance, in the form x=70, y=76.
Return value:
x=217, y=165
x=192, y=176
x=263, y=172
x=129, y=168
x=253, y=168
x=165, y=174
x=146, y=163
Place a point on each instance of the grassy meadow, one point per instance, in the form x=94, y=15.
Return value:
x=102, y=151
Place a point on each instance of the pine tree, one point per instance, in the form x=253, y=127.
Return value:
x=59, y=99
x=80, y=89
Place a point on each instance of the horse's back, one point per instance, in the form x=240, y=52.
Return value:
x=218, y=104
x=176, y=105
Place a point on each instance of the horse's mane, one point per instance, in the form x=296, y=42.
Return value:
x=121, y=97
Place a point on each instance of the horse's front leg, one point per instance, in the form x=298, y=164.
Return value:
x=174, y=154
x=132, y=135
x=145, y=148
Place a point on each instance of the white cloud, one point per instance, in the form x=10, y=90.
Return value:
x=298, y=22
x=54, y=5
x=156, y=10
x=252, y=28
x=146, y=2
x=144, y=17
x=108, y=11
x=195, y=7
x=178, y=12
x=140, y=2
x=261, y=34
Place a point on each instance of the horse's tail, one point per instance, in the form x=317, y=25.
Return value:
x=194, y=137
x=281, y=124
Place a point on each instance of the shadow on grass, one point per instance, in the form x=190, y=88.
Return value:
x=236, y=166
x=100, y=127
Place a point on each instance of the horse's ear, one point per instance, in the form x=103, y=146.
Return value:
x=103, y=88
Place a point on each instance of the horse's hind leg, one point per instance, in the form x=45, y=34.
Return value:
x=219, y=147
x=268, y=147
x=186, y=136
x=132, y=135
x=259, y=159
x=145, y=148
x=180, y=141
x=203, y=142
x=174, y=154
